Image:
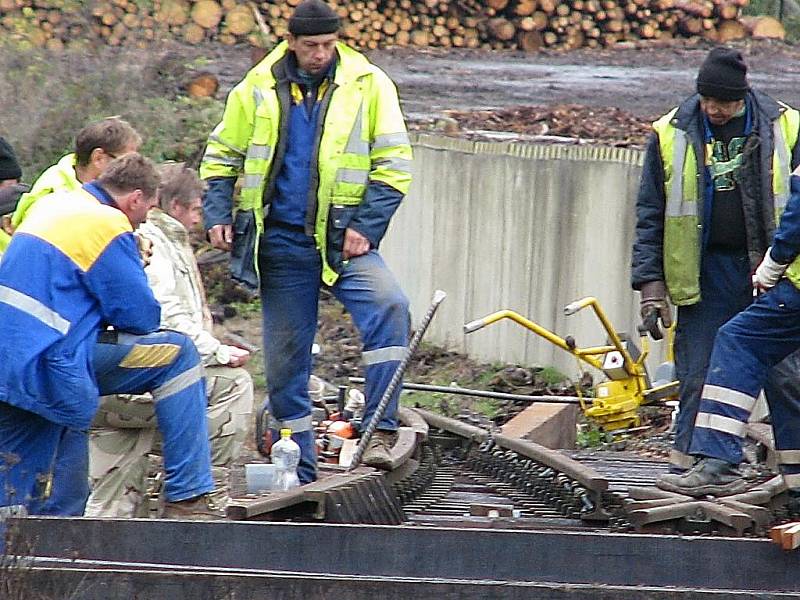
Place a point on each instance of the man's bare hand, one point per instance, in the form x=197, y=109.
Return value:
x=5, y=224
x=145, y=249
x=355, y=244
x=239, y=357
x=221, y=236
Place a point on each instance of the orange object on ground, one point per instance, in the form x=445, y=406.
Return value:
x=787, y=536
x=342, y=428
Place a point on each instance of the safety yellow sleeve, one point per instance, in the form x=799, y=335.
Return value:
x=27, y=201
x=390, y=151
x=59, y=177
x=227, y=144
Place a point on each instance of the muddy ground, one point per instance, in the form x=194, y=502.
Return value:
x=644, y=81
x=641, y=81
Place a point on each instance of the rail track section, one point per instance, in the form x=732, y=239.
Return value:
x=561, y=488
x=449, y=473
x=464, y=514
x=149, y=559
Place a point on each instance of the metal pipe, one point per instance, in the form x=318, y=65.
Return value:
x=438, y=297
x=594, y=350
x=579, y=305
x=534, y=327
x=445, y=389
x=465, y=430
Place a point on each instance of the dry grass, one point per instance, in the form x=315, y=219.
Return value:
x=45, y=99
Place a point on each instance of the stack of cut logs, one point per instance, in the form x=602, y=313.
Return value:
x=490, y=24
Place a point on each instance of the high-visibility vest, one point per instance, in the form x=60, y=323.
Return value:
x=59, y=177
x=364, y=138
x=684, y=200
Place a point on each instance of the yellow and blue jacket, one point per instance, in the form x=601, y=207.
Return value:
x=71, y=267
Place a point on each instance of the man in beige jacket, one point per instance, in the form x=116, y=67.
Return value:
x=124, y=436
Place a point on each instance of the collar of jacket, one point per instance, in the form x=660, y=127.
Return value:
x=351, y=65
x=172, y=228
x=96, y=190
x=686, y=116
x=291, y=71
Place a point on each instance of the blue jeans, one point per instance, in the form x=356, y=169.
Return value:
x=745, y=352
x=291, y=270
x=48, y=451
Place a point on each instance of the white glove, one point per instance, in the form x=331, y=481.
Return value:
x=768, y=273
x=231, y=355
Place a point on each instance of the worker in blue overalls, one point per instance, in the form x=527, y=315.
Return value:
x=72, y=269
x=745, y=350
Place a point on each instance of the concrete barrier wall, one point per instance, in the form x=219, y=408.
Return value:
x=525, y=227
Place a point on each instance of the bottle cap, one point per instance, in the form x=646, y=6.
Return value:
x=286, y=432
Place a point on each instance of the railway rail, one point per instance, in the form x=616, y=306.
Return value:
x=465, y=513
x=451, y=473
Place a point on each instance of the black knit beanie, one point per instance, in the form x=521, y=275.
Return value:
x=313, y=17
x=723, y=75
x=9, y=167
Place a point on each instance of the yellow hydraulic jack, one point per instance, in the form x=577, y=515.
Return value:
x=616, y=402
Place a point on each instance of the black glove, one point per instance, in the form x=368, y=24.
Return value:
x=654, y=306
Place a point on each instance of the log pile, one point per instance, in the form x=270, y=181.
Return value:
x=489, y=24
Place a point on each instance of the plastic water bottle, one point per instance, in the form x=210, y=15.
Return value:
x=285, y=455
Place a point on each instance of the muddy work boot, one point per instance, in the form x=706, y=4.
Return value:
x=377, y=453
x=708, y=477
x=201, y=508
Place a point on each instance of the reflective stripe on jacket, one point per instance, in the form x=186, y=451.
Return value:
x=71, y=267
x=363, y=139
x=684, y=199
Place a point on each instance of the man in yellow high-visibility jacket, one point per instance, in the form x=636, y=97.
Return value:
x=317, y=134
x=96, y=145
x=716, y=173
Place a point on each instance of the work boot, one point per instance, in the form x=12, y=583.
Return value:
x=377, y=452
x=708, y=477
x=200, y=508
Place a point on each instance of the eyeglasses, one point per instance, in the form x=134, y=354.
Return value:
x=724, y=105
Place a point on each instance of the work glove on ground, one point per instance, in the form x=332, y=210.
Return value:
x=768, y=273
x=653, y=306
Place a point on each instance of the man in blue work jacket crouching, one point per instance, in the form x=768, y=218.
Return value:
x=71, y=272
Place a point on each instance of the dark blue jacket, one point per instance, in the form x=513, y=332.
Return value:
x=757, y=198
x=786, y=244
